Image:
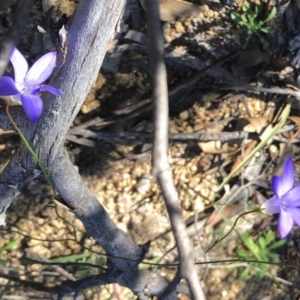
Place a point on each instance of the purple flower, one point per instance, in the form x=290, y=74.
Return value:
x=286, y=200
x=27, y=86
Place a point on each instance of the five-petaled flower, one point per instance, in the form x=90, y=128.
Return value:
x=286, y=200
x=27, y=86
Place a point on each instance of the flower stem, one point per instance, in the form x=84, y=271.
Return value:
x=30, y=149
x=232, y=228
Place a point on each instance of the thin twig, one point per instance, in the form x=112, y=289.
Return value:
x=146, y=137
x=63, y=264
x=160, y=163
x=254, y=89
x=240, y=265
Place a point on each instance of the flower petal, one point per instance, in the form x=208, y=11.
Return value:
x=35, y=91
x=283, y=184
x=288, y=176
x=276, y=182
x=295, y=213
x=285, y=223
x=292, y=197
x=33, y=106
x=51, y=90
x=20, y=66
x=271, y=206
x=7, y=86
x=41, y=70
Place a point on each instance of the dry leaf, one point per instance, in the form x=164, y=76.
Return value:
x=64, y=6
x=296, y=120
x=252, y=124
x=212, y=147
x=173, y=9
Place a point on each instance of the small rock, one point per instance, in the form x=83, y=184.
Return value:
x=179, y=27
x=184, y=115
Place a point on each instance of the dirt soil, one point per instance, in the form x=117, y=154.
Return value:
x=225, y=99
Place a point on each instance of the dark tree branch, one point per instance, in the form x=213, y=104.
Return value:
x=160, y=163
x=145, y=137
x=171, y=287
x=91, y=30
x=30, y=284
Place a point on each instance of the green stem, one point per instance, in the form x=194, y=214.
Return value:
x=30, y=149
x=231, y=229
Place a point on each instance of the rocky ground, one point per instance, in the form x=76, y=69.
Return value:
x=215, y=79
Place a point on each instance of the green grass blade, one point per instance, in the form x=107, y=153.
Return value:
x=273, y=132
x=30, y=149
